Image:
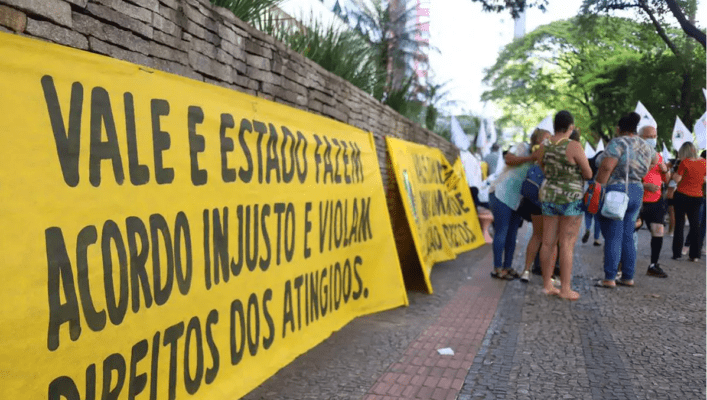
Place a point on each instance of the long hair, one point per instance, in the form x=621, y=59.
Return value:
x=687, y=150
x=537, y=136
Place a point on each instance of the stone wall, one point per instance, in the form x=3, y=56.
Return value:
x=195, y=39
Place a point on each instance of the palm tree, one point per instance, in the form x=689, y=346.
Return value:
x=250, y=11
x=386, y=25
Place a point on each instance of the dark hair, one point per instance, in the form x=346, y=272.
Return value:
x=629, y=122
x=563, y=120
x=574, y=135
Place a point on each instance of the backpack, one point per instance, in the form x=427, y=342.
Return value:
x=530, y=188
x=592, y=198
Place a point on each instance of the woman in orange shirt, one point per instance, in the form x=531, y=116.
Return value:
x=690, y=177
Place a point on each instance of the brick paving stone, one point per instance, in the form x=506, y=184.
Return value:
x=513, y=342
x=431, y=381
x=425, y=392
x=410, y=391
x=444, y=383
x=439, y=394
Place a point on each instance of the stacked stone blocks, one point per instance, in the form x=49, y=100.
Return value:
x=195, y=39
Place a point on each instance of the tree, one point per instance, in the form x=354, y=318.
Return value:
x=655, y=10
x=250, y=11
x=598, y=68
x=436, y=96
x=342, y=52
x=515, y=7
x=650, y=78
x=554, y=67
x=650, y=7
x=387, y=26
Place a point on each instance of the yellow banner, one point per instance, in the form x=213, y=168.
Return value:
x=437, y=202
x=163, y=238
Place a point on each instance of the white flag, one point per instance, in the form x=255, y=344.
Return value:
x=666, y=154
x=491, y=131
x=646, y=117
x=600, y=146
x=481, y=140
x=472, y=168
x=546, y=124
x=701, y=132
x=588, y=150
x=501, y=165
x=680, y=134
x=459, y=138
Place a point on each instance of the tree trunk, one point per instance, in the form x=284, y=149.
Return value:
x=685, y=99
x=689, y=28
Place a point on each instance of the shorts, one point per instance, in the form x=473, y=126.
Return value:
x=527, y=209
x=653, y=213
x=569, y=209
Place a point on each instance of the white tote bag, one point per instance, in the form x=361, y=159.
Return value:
x=615, y=202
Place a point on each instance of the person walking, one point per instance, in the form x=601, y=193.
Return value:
x=625, y=155
x=504, y=200
x=654, y=207
x=589, y=217
x=565, y=167
x=690, y=176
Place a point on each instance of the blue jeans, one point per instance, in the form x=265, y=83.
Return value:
x=588, y=218
x=506, y=222
x=618, y=235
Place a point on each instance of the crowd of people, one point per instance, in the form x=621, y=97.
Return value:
x=646, y=185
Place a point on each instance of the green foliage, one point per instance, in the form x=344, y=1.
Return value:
x=250, y=11
x=392, y=38
x=596, y=67
x=514, y=7
x=342, y=52
x=436, y=96
x=652, y=80
x=367, y=56
x=654, y=12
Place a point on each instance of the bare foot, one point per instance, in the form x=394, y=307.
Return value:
x=572, y=295
x=553, y=291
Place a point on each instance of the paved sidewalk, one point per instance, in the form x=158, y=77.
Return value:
x=513, y=342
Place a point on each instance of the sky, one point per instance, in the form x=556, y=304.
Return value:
x=468, y=41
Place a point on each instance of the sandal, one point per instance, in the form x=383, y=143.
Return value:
x=627, y=283
x=511, y=274
x=554, y=292
x=603, y=284
x=498, y=273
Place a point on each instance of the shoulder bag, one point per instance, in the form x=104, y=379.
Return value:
x=615, y=202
